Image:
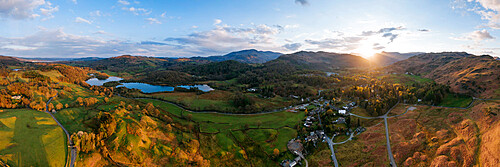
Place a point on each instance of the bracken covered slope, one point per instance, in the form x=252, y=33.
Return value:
x=475, y=75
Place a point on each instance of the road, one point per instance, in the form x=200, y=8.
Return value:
x=389, y=150
x=72, y=153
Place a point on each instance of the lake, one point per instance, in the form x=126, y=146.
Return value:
x=144, y=87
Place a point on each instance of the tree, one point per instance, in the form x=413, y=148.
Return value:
x=276, y=152
x=59, y=106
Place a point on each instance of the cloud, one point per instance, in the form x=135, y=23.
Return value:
x=342, y=43
x=487, y=9
x=386, y=32
x=82, y=20
x=302, y=2
x=382, y=30
x=377, y=46
x=123, y=2
x=217, y=21
x=48, y=10
x=96, y=13
x=20, y=9
x=224, y=39
x=423, y=30
x=74, y=1
x=57, y=43
x=478, y=35
x=152, y=43
x=153, y=21
x=391, y=36
x=137, y=11
x=292, y=46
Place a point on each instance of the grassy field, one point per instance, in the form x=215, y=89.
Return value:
x=405, y=79
x=456, y=100
x=216, y=100
x=31, y=138
x=269, y=131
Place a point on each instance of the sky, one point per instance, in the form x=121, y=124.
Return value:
x=175, y=28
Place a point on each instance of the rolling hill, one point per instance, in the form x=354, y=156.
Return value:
x=7, y=60
x=425, y=63
x=245, y=56
x=475, y=75
x=388, y=58
x=323, y=61
x=463, y=72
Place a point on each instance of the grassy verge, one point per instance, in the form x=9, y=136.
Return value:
x=456, y=100
x=31, y=138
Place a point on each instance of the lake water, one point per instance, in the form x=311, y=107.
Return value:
x=144, y=87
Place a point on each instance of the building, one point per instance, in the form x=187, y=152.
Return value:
x=16, y=97
x=343, y=112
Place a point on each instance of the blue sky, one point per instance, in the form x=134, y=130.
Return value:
x=174, y=28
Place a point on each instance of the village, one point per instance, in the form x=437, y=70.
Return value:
x=325, y=118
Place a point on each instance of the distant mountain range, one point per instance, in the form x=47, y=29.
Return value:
x=388, y=58
x=244, y=56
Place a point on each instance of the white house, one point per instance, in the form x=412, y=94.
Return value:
x=342, y=111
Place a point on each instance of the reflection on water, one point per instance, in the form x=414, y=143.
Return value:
x=144, y=87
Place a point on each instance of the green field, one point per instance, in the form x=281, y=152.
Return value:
x=405, y=79
x=31, y=138
x=456, y=100
x=269, y=131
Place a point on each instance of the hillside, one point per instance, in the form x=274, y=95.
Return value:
x=245, y=56
x=475, y=75
x=424, y=63
x=388, y=58
x=7, y=60
x=323, y=61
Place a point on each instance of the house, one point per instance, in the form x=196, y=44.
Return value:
x=419, y=100
x=343, y=112
x=340, y=120
x=251, y=90
x=16, y=97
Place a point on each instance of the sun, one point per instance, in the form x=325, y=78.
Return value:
x=366, y=50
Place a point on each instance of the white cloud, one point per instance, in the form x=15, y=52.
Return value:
x=223, y=39
x=82, y=20
x=74, y=1
x=217, y=21
x=123, y=2
x=487, y=9
x=137, y=11
x=194, y=26
x=478, y=35
x=20, y=9
x=164, y=14
x=153, y=21
x=48, y=10
x=96, y=13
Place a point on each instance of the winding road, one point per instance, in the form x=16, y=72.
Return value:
x=389, y=150
x=72, y=153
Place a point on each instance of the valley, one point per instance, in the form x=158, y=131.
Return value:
x=236, y=117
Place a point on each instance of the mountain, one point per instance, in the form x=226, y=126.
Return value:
x=245, y=56
x=87, y=59
x=7, y=60
x=388, y=58
x=424, y=63
x=324, y=61
x=474, y=75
